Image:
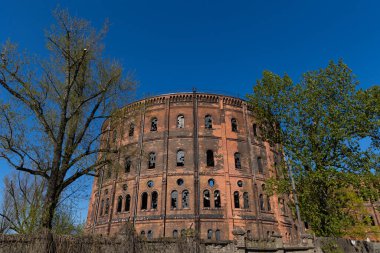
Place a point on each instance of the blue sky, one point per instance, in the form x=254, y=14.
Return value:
x=216, y=46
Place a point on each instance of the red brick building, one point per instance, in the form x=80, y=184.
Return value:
x=189, y=162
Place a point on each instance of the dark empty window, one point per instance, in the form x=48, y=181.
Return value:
x=237, y=160
x=217, y=203
x=150, y=234
x=209, y=234
x=180, y=158
x=144, y=201
x=152, y=160
x=206, y=198
x=268, y=203
x=131, y=129
x=254, y=127
x=217, y=235
x=260, y=164
x=101, y=207
x=107, y=206
x=246, y=200
x=180, y=121
x=127, y=203
x=261, y=202
x=175, y=233
x=236, y=200
x=128, y=164
x=119, y=203
x=154, y=200
x=249, y=234
x=174, y=202
x=210, y=158
x=234, y=125
x=153, y=125
x=142, y=233
x=185, y=199
x=208, y=122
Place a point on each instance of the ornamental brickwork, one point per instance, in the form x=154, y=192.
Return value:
x=189, y=163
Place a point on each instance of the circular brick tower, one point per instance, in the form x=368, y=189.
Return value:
x=189, y=163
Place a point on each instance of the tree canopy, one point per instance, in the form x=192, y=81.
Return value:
x=53, y=108
x=328, y=130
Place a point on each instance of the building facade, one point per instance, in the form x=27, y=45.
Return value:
x=189, y=163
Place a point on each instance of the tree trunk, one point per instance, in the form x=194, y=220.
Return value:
x=51, y=202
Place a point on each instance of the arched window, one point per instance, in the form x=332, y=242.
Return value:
x=208, y=122
x=107, y=206
x=154, y=200
x=261, y=202
x=246, y=200
x=217, y=235
x=254, y=128
x=185, y=199
x=217, y=203
x=237, y=160
x=260, y=165
x=119, y=204
x=180, y=158
x=131, y=129
x=249, y=234
x=101, y=207
x=152, y=160
x=144, y=201
x=180, y=121
x=174, y=202
x=268, y=203
x=234, y=127
x=236, y=199
x=206, y=198
x=127, y=203
x=175, y=233
x=128, y=164
x=210, y=158
x=282, y=206
x=209, y=234
x=150, y=234
x=153, y=125
x=142, y=233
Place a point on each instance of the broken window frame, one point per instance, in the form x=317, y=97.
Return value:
x=180, y=121
x=208, y=121
x=180, y=158
x=206, y=199
x=153, y=125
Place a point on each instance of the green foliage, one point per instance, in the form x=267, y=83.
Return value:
x=320, y=124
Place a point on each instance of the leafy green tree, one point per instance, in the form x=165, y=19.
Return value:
x=53, y=108
x=320, y=124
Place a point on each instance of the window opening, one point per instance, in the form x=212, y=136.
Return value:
x=154, y=200
x=254, y=127
x=150, y=184
x=131, y=129
x=152, y=160
x=107, y=206
x=260, y=164
x=237, y=160
x=240, y=183
x=234, y=125
x=101, y=207
x=217, y=202
x=174, y=202
x=261, y=202
x=180, y=181
x=236, y=200
x=208, y=122
x=185, y=199
x=180, y=121
x=209, y=234
x=217, y=235
x=246, y=200
x=175, y=233
x=211, y=182
x=128, y=164
x=210, y=158
x=119, y=204
x=144, y=201
x=180, y=158
x=206, y=198
x=153, y=125
x=127, y=202
x=150, y=234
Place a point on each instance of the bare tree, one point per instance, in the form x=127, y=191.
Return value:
x=50, y=123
